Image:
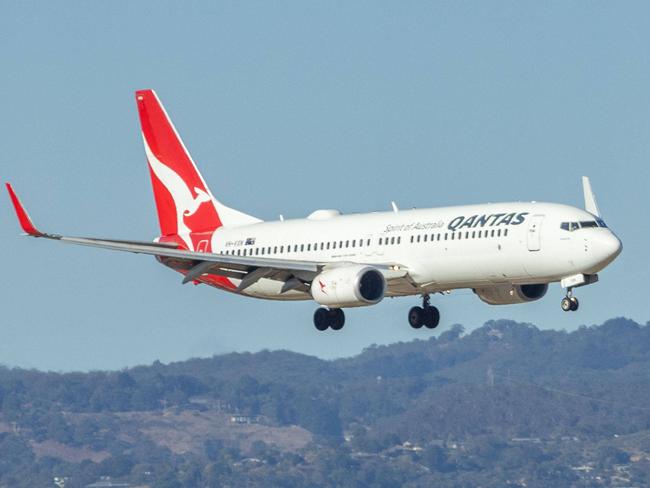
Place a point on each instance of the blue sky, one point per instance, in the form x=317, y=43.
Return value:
x=292, y=106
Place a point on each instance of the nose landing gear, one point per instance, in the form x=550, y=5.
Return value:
x=569, y=303
x=329, y=318
x=427, y=315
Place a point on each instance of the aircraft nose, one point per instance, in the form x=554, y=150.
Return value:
x=606, y=246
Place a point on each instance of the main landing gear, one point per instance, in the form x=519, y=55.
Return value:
x=426, y=315
x=569, y=303
x=329, y=318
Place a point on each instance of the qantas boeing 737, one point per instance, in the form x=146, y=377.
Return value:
x=505, y=252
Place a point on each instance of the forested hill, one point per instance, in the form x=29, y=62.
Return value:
x=506, y=402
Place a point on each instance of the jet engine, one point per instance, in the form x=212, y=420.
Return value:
x=349, y=286
x=508, y=294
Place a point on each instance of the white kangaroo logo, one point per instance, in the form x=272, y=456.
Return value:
x=201, y=198
x=186, y=204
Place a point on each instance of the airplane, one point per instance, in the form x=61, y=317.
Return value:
x=507, y=253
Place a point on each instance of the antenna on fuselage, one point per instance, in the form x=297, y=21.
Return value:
x=394, y=205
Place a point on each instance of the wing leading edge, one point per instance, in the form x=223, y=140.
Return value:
x=247, y=268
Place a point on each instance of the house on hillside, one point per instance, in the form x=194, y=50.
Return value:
x=107, y=482
x=244, y=419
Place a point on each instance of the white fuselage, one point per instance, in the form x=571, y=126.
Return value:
x=442, y=248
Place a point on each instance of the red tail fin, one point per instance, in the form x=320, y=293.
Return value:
x=183, y=200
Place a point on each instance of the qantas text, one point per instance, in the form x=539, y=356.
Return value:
x=462, y=222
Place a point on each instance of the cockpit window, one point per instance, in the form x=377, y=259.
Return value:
x=571, y=226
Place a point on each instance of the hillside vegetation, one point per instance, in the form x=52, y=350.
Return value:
x=504, y=404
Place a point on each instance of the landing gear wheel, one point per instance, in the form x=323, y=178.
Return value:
x=574, y=303
x=566, y=304
x=337, y=318
x=321, y=319
x=431, y=317
x=416, y=317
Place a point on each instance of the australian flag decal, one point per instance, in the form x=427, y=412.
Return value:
x=250, y=241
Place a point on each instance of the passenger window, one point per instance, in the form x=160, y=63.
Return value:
x=399, y=239
x=340, y=244
x=302, y=247
x=347, y=243
x=492, y=232
x=505, y=233
x=473, y=234
x=380, y=239
x=392, y=240
x=467, y=235
x=418, y=239
x=368, y=243
x=445, y=236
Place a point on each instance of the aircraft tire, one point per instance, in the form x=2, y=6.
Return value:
x=337, y=318
x=416, y=317
x=431, y=317
x=566, y=304
x=322, y=319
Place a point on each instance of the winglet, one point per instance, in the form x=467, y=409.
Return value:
x=590, y=199
x=23, y=218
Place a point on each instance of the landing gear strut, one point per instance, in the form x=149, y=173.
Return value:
x=569, y=303
x=426, y=315
x=329, y=318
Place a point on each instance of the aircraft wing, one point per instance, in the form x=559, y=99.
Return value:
x=247, y=268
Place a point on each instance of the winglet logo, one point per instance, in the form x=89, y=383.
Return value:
x=322, y=287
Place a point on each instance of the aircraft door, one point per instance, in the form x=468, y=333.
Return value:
x=534, y=233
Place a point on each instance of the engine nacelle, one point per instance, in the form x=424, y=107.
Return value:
x=349, y=286
x=508, y=294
